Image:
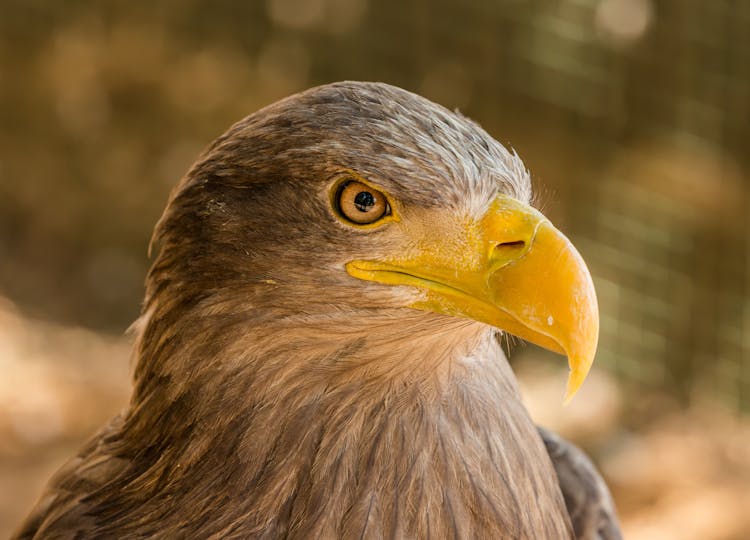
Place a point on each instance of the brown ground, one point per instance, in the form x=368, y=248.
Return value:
x=681, y=474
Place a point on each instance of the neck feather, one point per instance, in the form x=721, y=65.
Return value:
x=333, y=429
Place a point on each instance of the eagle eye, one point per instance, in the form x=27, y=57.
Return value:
x=360, y=203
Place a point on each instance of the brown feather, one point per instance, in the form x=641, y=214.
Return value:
x=277, y=397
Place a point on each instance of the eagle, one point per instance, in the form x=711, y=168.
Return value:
x=318, y=352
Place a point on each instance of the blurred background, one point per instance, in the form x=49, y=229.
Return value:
x=632, y=115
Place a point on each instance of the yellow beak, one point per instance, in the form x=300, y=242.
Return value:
x=524, y=276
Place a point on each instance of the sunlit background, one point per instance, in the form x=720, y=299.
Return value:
x=632, y=115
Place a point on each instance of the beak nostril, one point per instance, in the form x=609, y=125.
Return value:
x=505, y=252
x=510, y=245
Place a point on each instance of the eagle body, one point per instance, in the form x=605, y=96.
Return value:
x=401, y=456
x=275, y=395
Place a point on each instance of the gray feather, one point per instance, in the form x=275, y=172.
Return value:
x=587, y=498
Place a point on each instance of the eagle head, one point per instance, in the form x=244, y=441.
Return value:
x=347, y=207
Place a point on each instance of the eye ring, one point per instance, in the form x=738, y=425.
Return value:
x=361, y=204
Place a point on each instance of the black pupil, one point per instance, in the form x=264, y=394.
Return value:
x=364, y=200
